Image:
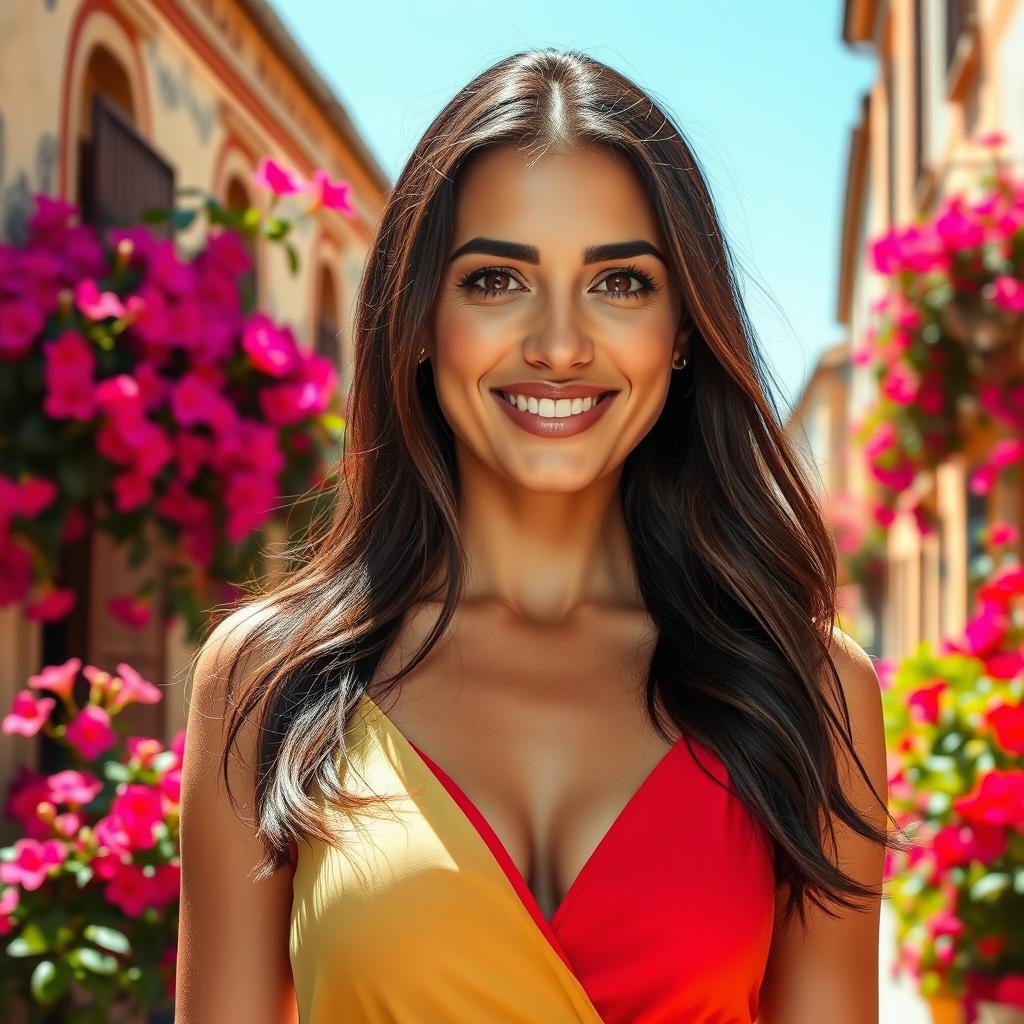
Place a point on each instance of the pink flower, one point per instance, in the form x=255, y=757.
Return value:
x=132, y=490
x=996, y=799
x=333, y=195
x=986, y=632
x=956, y=229
x=58, y=679
x=129, y=610
x=132, y=688
x=55, y=603
x=992, y=140
x=9, y=899
x=139, y=809
x=68, y=375
x=90, y=732
x=37, y=495
x=73, y=787
x=278, y=178
x=33, y=861
x=1008, y=293
x=1010, y=990
x=15, y=568
x=97, y=305
x=1002, y=534
x=28, y=714
x=924, y=702
x=143, y=749
x=960, y=844
x=194, y=400
x=1007, y=721
x=990, y=946
x=272, y=350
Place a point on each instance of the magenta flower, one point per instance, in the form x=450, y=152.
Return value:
x=112, y=838
x=956, y=229
x=1008, y=293
x=28, y=714
x=992, y=140
x=55, y=603
x=15, y=568
x=986, y=632
x=37, y=495
x=140, y=809
x=57, y=679
x=272, y=350
x=90, y=732
x=1002, y=534
x=20, y=322
x=73, y=787
x=33, y=861
x=131, y=490
x=996, y=799
x=129, y=610
x=132, y=689
x=70, y=366
x=97, y=305
x=332, y=195
x=924, y=702
x=9, y=899
x=1007, y=721
x=143, y=749
x=278, y=178
x=194, y=400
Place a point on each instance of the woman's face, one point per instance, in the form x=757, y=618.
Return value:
x=553, y=283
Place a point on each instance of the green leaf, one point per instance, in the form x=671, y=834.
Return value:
x=181, y=220
x=115, y=771
x=108, y=938
x=275, y=228
x=50, y=980
x=31, y=942
x=95, y=961
x=155, y=215
x=989, y=887
x=293, y=258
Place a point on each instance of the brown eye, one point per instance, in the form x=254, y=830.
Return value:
x=491, y=282
x=618, y=282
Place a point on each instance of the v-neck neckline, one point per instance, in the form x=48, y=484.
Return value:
x=500, y=852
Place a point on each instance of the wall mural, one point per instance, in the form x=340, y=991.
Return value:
x=176, y=90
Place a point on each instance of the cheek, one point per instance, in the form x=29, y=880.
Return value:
x=467, y=346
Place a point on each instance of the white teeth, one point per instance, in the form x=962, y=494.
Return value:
x=551, y=408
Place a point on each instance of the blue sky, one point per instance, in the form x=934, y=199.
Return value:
x=766, y=93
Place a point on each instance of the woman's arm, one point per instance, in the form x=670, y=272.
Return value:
x=830, y=972
x=233, y=965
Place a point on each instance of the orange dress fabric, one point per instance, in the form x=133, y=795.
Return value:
x=421, y=915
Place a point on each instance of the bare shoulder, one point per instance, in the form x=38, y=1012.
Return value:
x=233, y=958
x=862, y=693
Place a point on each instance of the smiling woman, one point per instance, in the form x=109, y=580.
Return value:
x=629, y=768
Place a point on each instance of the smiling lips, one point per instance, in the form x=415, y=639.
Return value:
x=553, y=410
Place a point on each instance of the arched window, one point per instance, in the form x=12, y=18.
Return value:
x=328, y=328
x=237, y=197
x=120, y=174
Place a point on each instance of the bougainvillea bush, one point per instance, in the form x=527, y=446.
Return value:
x=141, y=397
x=955, y=722
x=955, y=297
x=89, y=892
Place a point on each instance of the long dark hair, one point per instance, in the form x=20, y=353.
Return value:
x=736, y=566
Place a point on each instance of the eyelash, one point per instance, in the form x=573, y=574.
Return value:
x=631, y=271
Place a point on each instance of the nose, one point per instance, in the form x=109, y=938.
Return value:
x=557, y=342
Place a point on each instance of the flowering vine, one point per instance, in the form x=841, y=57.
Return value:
x=140, y=395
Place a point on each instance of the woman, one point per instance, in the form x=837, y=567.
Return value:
x=554, y=724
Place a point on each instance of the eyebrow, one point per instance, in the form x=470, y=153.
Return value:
x=531, y=254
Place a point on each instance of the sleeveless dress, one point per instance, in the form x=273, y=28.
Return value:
x=421, y=916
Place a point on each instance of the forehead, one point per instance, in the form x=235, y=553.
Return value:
x=578, y=198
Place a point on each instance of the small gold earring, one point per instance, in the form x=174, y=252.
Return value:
x=423, y=355
x=676, y=365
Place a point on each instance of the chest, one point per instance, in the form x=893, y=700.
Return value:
x=541, y=732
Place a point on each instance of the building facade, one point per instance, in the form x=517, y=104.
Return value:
x=948, y=71
x=113, y=104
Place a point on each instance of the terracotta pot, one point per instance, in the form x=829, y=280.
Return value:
x=949, y=1010
x=946, y=1010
